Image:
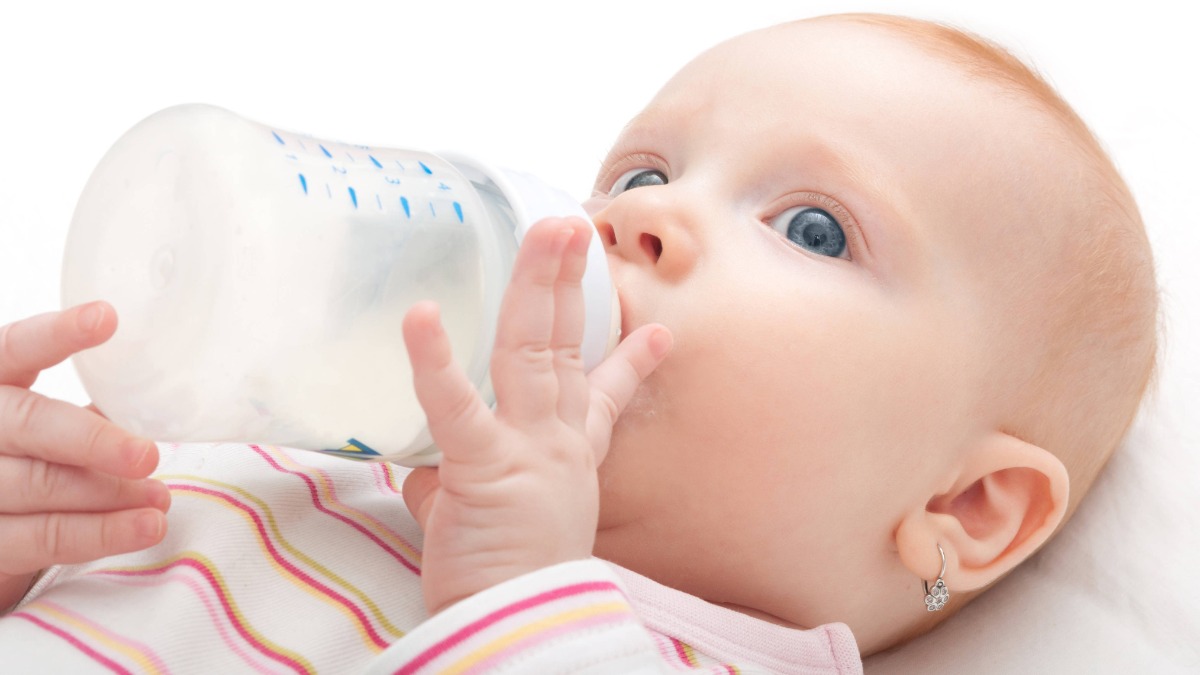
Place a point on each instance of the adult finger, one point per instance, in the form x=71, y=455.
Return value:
x=616, y=379
x=522, y=363
x=34, y=426
x=34, y=486
x=32, y=345
x=37, y=541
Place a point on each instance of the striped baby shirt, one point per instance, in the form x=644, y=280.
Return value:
x=282, y=561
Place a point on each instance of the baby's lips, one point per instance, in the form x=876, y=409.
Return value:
x=627, y=317
x=622, y=315
x=616, y=331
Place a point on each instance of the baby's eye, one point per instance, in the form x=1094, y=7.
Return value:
x=637, y=178
x=812, y=229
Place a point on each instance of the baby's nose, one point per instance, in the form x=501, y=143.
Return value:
x=650, y=244
x=645, y=226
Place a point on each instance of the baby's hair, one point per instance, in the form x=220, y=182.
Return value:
x=1098, y=358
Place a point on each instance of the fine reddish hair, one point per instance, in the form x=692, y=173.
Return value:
x=1101, y=334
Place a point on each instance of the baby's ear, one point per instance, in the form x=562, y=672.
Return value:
x=1006, y=498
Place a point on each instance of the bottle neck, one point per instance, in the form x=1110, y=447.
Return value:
x=513, y=202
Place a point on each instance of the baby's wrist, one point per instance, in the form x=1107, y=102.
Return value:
x=437, y=602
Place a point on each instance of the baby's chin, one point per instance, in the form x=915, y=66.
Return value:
x=643, y=407
x=632, y=435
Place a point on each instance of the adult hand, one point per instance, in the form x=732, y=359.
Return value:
x=73, y=485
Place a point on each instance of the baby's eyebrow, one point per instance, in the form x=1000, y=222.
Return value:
x=650, y=123
x=869, y=187
x=842, y=172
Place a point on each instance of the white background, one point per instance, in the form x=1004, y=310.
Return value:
x=545, y=87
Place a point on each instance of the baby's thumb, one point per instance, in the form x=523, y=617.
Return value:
x=616, y=379
x=419, y=487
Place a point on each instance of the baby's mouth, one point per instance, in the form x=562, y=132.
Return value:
x=627, y=324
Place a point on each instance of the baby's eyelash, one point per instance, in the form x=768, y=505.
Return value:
x=854, y=236
x=612, y=170
x=829, y=204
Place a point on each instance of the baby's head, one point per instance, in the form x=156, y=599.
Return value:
x=913, y=306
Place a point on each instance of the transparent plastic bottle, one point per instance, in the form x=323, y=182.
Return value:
x=260, y=278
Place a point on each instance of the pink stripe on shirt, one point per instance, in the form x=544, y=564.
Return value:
x=476, y=626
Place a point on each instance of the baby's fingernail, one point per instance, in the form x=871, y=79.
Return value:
x=562, y=238
x=89, y=318
x=149, y=525
x=661, y=342
x=580, y=243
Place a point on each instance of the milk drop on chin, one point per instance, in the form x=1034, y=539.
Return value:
x=260, y=278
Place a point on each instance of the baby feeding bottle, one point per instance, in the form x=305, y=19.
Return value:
x=260, y=278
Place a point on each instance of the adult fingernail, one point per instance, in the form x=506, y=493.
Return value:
x=149, y=525
x=136, y=450
x=158, y=495
x=89, y=318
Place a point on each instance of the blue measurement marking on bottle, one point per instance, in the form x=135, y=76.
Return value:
x=443, y=186
x=327, y=154
x=278, y=138
x=351, y=157
x=328, y=191
x=379, y=202
x=432, y=211
x=304, y=183
x=428, y=170
x=404, y=203
x=353, y=197
x=375, y=162
x=458, y=211
x=400, y=165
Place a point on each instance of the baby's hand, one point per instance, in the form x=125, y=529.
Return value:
x=73, y=485
x=517, y=488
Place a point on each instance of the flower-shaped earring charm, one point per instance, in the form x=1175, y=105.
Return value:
x=936, y=598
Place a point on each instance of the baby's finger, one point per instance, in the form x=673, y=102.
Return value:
x=567, y=335
x=37, y=427
x=522, y=362
x=616, y=379
x=457, y=416
x=37, y=541
x=34, y=486
x=32, y=345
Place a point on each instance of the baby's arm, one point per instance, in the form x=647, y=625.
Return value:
x=517, y=489
x=73, y=485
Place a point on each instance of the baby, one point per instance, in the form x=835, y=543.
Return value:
x=888, y=310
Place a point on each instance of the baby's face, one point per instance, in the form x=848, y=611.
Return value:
x=818, y=214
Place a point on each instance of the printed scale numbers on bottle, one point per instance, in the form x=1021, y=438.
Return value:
x=261, y=278
x=406, y=228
